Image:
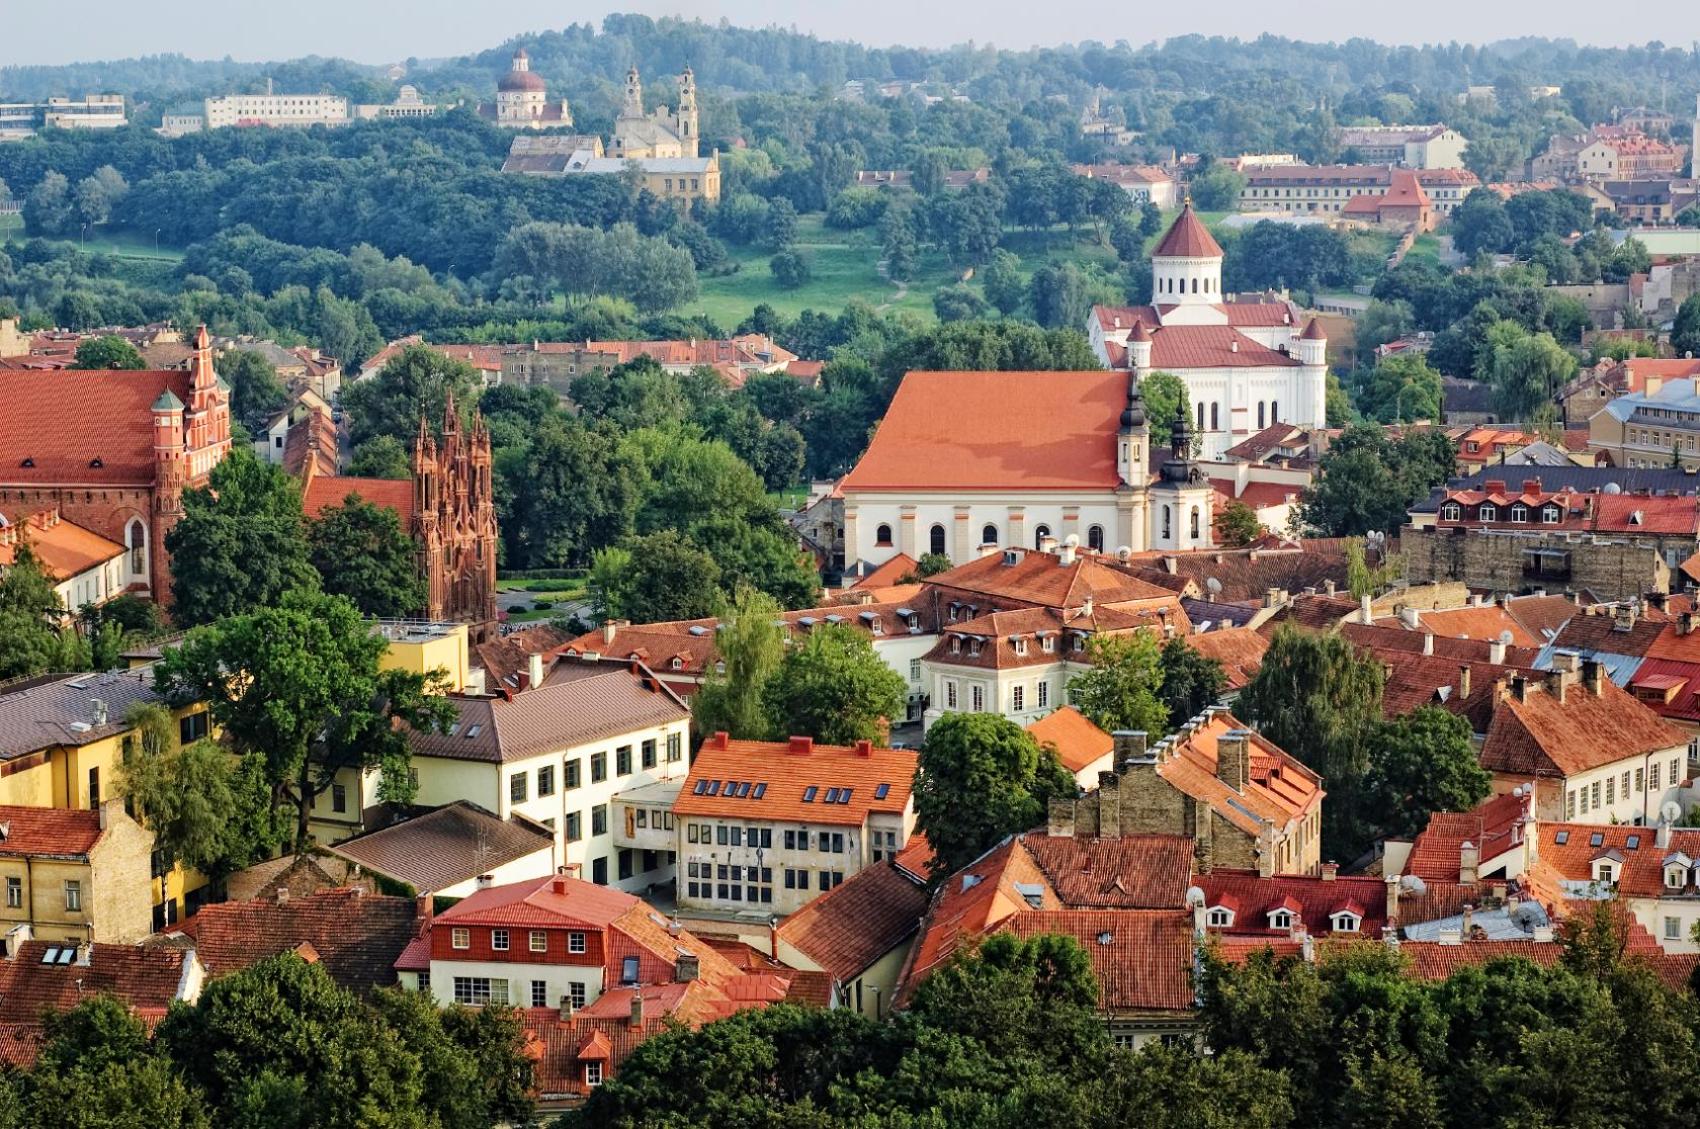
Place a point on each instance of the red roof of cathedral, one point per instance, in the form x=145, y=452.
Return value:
x=396, y=494
x=57, y=425
x=1188, y=238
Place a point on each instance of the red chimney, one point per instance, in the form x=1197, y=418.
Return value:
x=720, y=740
x=1531, y=486
x=801, y=746
x=864, y=748
x=560, y=885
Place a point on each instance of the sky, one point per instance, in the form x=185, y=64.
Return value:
x=379, y=31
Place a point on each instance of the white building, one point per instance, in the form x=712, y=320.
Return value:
x=275, y=110
x=94, y=111
x=1414, y=146
x=408, y=104
x=85, y=568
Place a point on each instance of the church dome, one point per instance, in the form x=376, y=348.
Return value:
x=515, y=81
x=1188, y=238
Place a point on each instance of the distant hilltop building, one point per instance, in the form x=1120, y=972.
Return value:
x=659, y=134
x=1414, y=146
x=272, y=109
x=522, y=100
x=93, y=111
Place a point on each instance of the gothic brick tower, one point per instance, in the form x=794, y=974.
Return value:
x=454, y=510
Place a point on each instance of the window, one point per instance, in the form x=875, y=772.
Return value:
x=629, y=970
x=1344, y=922
x=1095, y=538
x=649, y=753
x=1676, y=877
x=1570, y=804
x=1549, y=515
x=825, y=879
x=1260, y=409
x=460, y=938
x=339, y=797
x=988, y=534
x=1487, y=512
x=882, y=535
x=598, y=767
x=623, y=761
x=935, y=539
x=192, y=727
x=593, y=1074
x=1281, y=919
x=674, y=745
x=1611, y=790
x=1220, y=916
x=575, y=827
x=599, y=871
x=537, y=941
x=1168, y=525
x=1195, y=523
x=950, y=698
x=477, y=991
x=1044, y=693
x=626, y=857
x=1519, y=512
x=94, y=789
x=1675, y=776
x=518, y=787
x=14, y=893
x=977, y=695
x=73, y=896
x=1640, y=779
x=1605, y=874
x=572, y=774
x=1673, y=928
x=1018, y=698
x=1199, y=411
x=914, y=670
x=1652, y=777
x=539, y=993
x=1040, y=532
x=546, y=781
x=599, y=819
x=1594, y=794
x=499, y=940
x=1215, y=416
x=1450, y=512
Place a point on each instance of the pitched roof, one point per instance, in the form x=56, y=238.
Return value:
x=310, y=445
x=851, y=926
x=1567, y=851
x=977, y=431
x=1078, y=742
x=140, y=976
x=1315, y=900
x=1039, y=579
x=1212, y=346
x=1187, y=238
x=58, y=710
x=323, y=491
x=889, y=573
x=1142, y=959
x=63, y=548
x=1240, y=650
x=1493, y=827
x=1436, y=960
x=31, y=832
x=443, y=848
x=63, y=421
x=796, y=781
x=1541, y=736
x=1248, y=574
x=1278, y=788
x=357, y=935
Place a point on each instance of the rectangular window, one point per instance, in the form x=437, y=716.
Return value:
x=1675, y=772
x=599, y=871
x=721, y=835
x=518, y=784
x=675, y=746
x=575, y=942
x=94, y=789
x=73, y=896
x=690, y=833
x=1044, y=694
x=625, y=860
x=460, y=938
x=641, y=818
x=572, y=774
x=949, y=694
x=1640, y=779
x=538, y=941
x=1611, y=790
x=649, y=753
x=192, y=727
x=539, y=993
x=576, y=992
x=574, y=828
x=825, y=879
x=1594, y=794
x=593, y=1074
x=546, y=781
x=599, y=819
x=623, y=761
x=598, y=767
x=499, y=940
x=837, y=842
x=339, y=797
x=1570, y=804
x=1018, y=698
x=1653, y=777
x=977, y=695
x=14, y=893
x=476, y=991
x=737, y=834
x=1673, y=929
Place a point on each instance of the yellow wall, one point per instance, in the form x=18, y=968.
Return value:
x=447, y=652
x=44, y=898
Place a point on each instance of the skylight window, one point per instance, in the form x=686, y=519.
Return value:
x=702, y=786
x=1562, y=838
x=760, y=791
x=882, y=791
x=844, y=795
x=1596, y=839
x=714, y=787
x=1633, y=843
x=473, y=731
x=832, y=795
x=809, y=794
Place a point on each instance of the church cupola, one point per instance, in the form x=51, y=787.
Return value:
x=1186, y=267
x=1139, y=347
x=1133, y=438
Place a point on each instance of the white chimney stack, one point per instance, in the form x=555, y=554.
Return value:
x=536, y=671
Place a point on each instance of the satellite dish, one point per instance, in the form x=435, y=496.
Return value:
x=1611, y=488
x=1411, y=884
x=1124, y=554
x=1072, y=540
x=1214, y=586
x=1194, y=896
x=1671, y=810
x=1506, y=637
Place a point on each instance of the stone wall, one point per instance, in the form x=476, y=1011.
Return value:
x=1608, y=568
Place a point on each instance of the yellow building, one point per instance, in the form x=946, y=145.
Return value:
x=62, y=739
x=75, y=875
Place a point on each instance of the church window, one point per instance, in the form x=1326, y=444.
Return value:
x=1199, y=412
x=1195, y=523
x=1195, y=286
x=1040, y=532
x=1260, y=423
x=1274, y=411
x=1095, y=538
x=935, y=540
x=989, y=535
x=1167, y=531
x=1215, y=416
x=136, y=536
x=882, y=535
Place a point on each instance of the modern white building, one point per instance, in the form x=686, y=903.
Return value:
x=93, y=111
x=1414, y=146
x=275, y=110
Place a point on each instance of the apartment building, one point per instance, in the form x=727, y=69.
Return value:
x=271, y=109
x=1325, y=189
x=92, y=111
x=1414, y=146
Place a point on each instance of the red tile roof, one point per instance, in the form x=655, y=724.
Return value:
x=1317, y=900
x=856, y=923
x=142, y=977
x=47, y=832
x=357, y=936
x=1493, y=827
x=62, y=421
x=976, y=431
x=1641, y=867
x=63, y=548
x=1212, y=346
x=1142, y=959
x=395, y=494
x=1540, y=736
x=1187, y=238
x=1278, y=789
x=795, y=780
x=1434, y=960
x=1038, y=579
x=891, y=572
x=1077, y=741
x=1240, y=650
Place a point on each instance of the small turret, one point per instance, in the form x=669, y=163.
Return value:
x=1133, y=438
x=1313, y=344
x=1139, y=347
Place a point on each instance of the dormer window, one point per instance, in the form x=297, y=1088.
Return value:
x=1451, y=511
x=1281, y=919
x=973, y=647
x=1676, y=877
x=1519, y=512
x=1605, y=873
x=955, y=645
x=1048, y=644
x=1020, y=645
x=677, y=663
x=1487, y=512
x=1219, y=917
x=1079, y=642
x=1550, y=515
x=1344, y=922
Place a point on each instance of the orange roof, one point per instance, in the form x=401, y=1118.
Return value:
x=1540, y=736
x=1567, y=851
x=1240, y=650
x=333, y=490
x=1142, y=959
x=1492, y=827
x=796, y=781
x=1435, y=960
x=852, y=925
x=982, y=431
x=62, y=422
x=48, y=832
x=1188, y=238
x=63, y=548
x=1489, y=622
x=1078, y=742
x=1278, y=788
x=890, y=573
x=1040, y=579
x=1212, y=346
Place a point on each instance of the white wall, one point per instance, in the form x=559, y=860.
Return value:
x=518, y=975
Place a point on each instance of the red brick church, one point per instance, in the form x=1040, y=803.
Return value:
x=113, y=450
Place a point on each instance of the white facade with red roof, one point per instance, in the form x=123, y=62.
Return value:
x=1246, y=364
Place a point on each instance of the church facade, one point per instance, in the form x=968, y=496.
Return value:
x=522, y=99
x=662, y=134
x=1246, y=364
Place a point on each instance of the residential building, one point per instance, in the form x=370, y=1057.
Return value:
x=904, y=178
x=76, y=875
x=1629, y=157
x=522, y=99
x=92, y=111
x=183, y=119
x=683, y=180
x=50, y=977
x=408, y=104
x=113, y=450
x=553, y=749
x=271, y=109
x=1413, y=146
x=486, y=359
x=770, y=825
x=85, y=569
x=1650, y=200
x=354, y=935
x=1655, y=427
x=1241, y=800
x=1405, y=206
x=302, y=368
x=1329, y=188
x=1080, y=746
x=448, y=851
x=1651, y=871
x=1480, y=446
x=1144, y=184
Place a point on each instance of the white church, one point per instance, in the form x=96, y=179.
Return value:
x=964, y=461
x=1246, y=364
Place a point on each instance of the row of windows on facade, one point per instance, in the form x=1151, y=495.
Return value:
x=977, y=696
x=792, y=839
x=1268, y=413
x=1665, y=439
x=1167, y=286
x=519, y=783
x=1341, y=921
x=536, y=940
x=988, y=536
x=1018, y=643
x=72, y=889
x=1487, y=511
x=732, y=883
x=476, y=991
x=1590, y=797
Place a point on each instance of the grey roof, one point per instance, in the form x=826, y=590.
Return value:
x=1538, y=454
x=580, y=701
x=59, y=710
x=1219, y=615
x=1572, y=477
x=655, y=792
x=445, y=847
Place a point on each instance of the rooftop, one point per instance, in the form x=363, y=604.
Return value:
x=445, y=847
x=357, y=936
x=80, y=426
x=62, y=709
x=797, y=781
x=851, y=926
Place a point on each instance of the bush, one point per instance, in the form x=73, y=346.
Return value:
x=959, y=303
x=856, y=207
x=544, y=605
x=790, y=268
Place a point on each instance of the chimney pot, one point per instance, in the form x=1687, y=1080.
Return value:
x=637, y=1007
x=1463, y=680
x=864, y=748
x=535, y=671
x=1365, y=613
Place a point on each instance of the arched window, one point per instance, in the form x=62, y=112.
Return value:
x=1549, y=515
x=1215, y=416
x=1040, y=532
x=1274, y=411
x=1195, y=286
x=935, y=540
x=1260, y=423
x=1195, y=523
x=1450, y=512
x=1199, y=412
x=989, y=535
x=1095, y=538
x=882, y=535
x=136, y=537
x=1488, y=512
x=1167, y=529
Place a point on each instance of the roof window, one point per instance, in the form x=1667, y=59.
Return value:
x=844, y=795
x=759, y=791
x=809, y=794
x=831, y=795
x=882, y=791
x=1596, y=839
x=473, y=731
x=1562, y=838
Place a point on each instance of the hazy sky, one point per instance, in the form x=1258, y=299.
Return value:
x=377, y=31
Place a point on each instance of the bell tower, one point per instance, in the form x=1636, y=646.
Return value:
x=687, y=117
x=1182, y=499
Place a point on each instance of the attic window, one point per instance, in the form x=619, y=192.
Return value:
x=96, y=463
x=809, y=794
x=831, y=795
x=1596, y=839
x=1220, y=917
x=955, y=643
x=844, y=795
x=1562, y=838
x=702, y=786
x=1344, y=922
x=1549, y=515
x=1635, y=517
x=1519, y=512
x=1632, y=843
x=973, y=646
x=714, y=787
x=758, y=792
x=27, y=461
x=1450, y=512
x=677, y=663
x=881, y=791
x=1020, y=645
x=1487, y=512
x=473, y=731
x=1048, y=643
x=1281, y=919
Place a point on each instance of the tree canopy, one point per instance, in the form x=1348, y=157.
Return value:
x=834, y=688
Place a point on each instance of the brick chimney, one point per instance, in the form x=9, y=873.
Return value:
x=1593, y=676
x=637, y=1007
x=1469, y=861
x=1463, y=680
x=1059, y=819
x=1330, y=871
x=1555, y=682
x=1233, y=759
x=1129, y=745
x=1392, y=899
x=567, y=1008
x=798, y=747
x=1519, y=687
x=721, y=740
x=864, y=748
x=1109, y=806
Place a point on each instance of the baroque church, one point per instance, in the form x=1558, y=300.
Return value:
x=662, y=133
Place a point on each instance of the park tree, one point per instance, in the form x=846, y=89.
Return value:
x=981, y=777
x=1421, y=763
x=110, y=351
x=1319, y=700
x=1217, y=188
x=1685, y=330
x=1237, y=524
x=49, y=208
x=96, y=1069
x=571, y=490
x=1123, y=688
x=1192, y=682
x=361, y=551
x=958, y=302
x=1369, y=482
x=241, y=543
x=668, y=578
x=1480, y=224
x=311, y=700
x=382, y=456
x=835, y=689
x=1001, y=278
x=1402, y=389
x=417, y=383
x=1380, y=323
x=1525, y=369
x=256, y=393
x=790, y=269
x=183, y=794
x=751, y=645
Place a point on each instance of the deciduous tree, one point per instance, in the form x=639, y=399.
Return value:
x=981, y=777
x=835, y=689
x=110, y=351
x=1123, y=688
x=361, y=551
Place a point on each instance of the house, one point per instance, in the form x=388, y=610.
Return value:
x=773, y=823
x=1241, y=800
x=1403, y=205
x=1655, y=427
x=113, y=450
x=1325, y=189
x=447, y=851
x=41, y=979
x=552, y=750
x=354, y=935
x=1651, y=870
x=85, y=569
x=76, y=875
x=1144, y=184
x=1080, y=746
x=1413, y=146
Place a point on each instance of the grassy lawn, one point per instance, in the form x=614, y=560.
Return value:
x=11, y=227
x=1425, y=248
x=791, y=498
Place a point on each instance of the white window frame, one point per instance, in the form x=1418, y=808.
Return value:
x=538, y=941
x=576, y=942
x=460, y=938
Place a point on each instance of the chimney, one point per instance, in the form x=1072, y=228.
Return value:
x=1365, y=615
x=1428, y=642
x=637, y=1007
x=483, y=881
x=1330, y=871
x=686, y=968
x=1233, y=759
x=1661, y=838
x=1463, y=680
x=559, y=884
x=721, y=740
x=1464, y=925
x=1109, y=806
x=1543, y=933
x=1685, y=623
x=1129, y=746
x=1519, y=687
x=1496, y=652
x=1410, y=617
x=864, y=748
x=85, y=951
x=609, y=628
x=1593, y=676
x=1328, y=587
x=282, y=895
x=1059, y=819
x=800, y=746
x=97, y=707
x=423, y=907
x=1469, y=861
x=1555, y=681
x=1065, y=554
x=536, y=671
x=567, y=1008
x=1392, y=899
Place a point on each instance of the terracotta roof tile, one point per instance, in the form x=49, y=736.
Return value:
x=443, y=848
x=47, y=832
x=1240, y=650
x=1143, y=959
x=1540, y=736
x=1641, y=871
x=358, y=936
x=63, y=548
x=64, y=420
x=1035, y=579
x=851, y=926
x=1318, y=900
x=396, y=494
x=1278, y=789
x=796, y=781
x=1493, y=827
x=1212, y=346
x=1187, y=238
x=1077, y=741
x=1433, y=960
x=140, y=976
